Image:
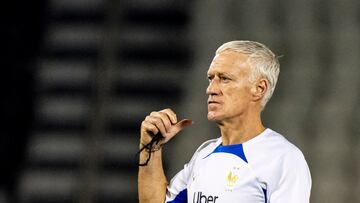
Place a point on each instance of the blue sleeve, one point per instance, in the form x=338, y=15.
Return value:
x=180, y=198
x=176, y=191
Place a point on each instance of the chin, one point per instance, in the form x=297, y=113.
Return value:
x=212, y=117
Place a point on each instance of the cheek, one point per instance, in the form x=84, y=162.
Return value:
x=239, y=95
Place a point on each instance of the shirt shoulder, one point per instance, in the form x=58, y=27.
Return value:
x=272, y=157
x=206, y=147
x=270, y=145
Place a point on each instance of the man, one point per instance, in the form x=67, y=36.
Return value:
x=248, y=163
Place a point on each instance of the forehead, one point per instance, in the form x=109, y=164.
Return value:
x=229, y=61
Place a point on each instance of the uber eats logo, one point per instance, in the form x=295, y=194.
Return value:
x=199, y=197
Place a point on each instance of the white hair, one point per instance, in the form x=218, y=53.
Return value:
x=263, y=62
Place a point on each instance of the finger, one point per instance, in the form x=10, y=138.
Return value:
x=149, y=127
x=164, y=118
x=158, y=123
x=171, y=114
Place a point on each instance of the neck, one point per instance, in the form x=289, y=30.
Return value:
x=240, y=129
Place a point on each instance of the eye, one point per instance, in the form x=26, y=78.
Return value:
x=225, y=79
x=210, y=78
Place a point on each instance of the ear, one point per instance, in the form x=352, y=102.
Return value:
x=260, y=88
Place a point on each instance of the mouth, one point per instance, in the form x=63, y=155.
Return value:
x=213, y=102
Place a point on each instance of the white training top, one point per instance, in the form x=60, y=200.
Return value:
x=267, y=168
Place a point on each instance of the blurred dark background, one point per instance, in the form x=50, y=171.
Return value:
x=79, y=76
x=22, y=31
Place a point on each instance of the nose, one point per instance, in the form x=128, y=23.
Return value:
x=213, y=87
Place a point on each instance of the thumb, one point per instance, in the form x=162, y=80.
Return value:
x=182, y=124
x=175, y=129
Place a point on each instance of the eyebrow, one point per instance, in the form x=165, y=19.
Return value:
x=226, y=74
x=221, y=74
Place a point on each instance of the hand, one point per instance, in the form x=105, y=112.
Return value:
x=164, y=122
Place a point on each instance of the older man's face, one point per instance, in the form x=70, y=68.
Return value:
x=229, y=90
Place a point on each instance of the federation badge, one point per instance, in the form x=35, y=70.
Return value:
x=232, y=178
